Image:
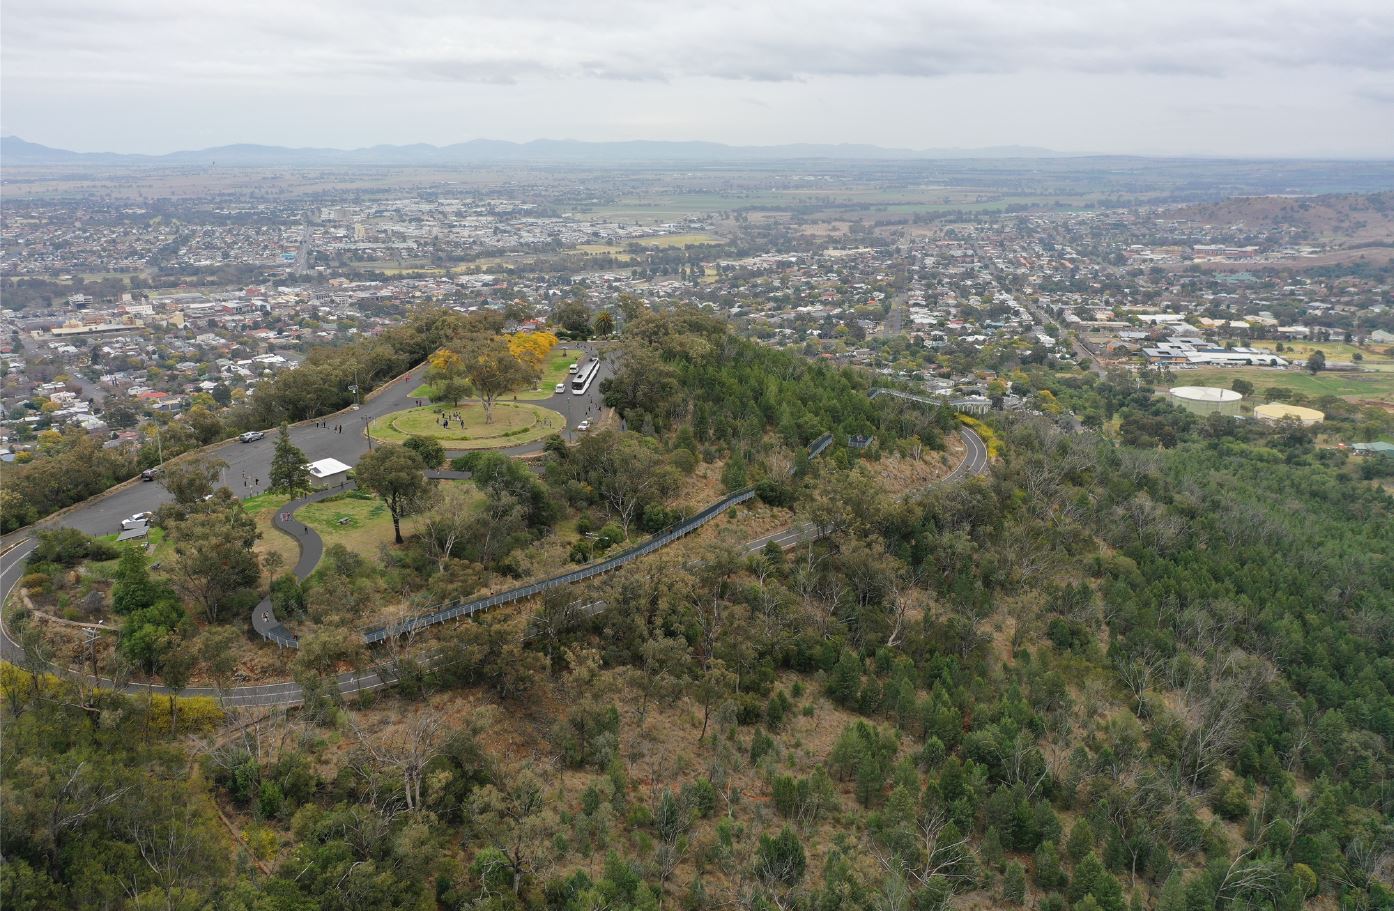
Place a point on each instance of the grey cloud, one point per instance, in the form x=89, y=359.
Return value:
x=1137, y=75
x=1380, y=94
x=498, y=41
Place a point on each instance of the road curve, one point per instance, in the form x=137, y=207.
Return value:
x=975, y=462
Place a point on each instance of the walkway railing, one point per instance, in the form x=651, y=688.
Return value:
x=282, y=637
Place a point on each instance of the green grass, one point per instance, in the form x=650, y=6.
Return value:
x=264, y=501
x=1373, y=357
x=514, y=423
x=359, y=521
x=1365, y=385
x=158, y=549
x=553, y=372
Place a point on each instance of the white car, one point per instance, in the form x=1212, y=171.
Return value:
x=135, y=521
x=583, y=426
x=561, y=387
x=251, y=436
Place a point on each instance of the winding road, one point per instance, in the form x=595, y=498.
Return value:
x=392, y=397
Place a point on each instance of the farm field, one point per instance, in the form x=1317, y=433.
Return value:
x=665, y=241
x=846, y=200
x=1363, y=385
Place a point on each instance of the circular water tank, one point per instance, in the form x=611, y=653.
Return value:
x=1206, y=399
x=1277, y=411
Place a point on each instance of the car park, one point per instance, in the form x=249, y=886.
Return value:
x=251, y=436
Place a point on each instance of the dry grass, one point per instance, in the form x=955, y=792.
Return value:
x=906, y=475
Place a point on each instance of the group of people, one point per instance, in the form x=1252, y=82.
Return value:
x=338, y=428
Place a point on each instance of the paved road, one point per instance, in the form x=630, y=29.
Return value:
x=87, y=390
x=974, y=462
x=302, y=255
x=249, y=467
x=264, y=620
x=249, y=464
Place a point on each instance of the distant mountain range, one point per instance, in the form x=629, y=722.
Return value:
x=16, y=151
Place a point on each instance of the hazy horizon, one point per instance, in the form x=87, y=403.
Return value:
x=1272, y=79
x=1005, y=151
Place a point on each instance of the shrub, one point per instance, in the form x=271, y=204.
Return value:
x=196, y=714
x=776, y=492
x=775, y=710
x=1306, y=879
x=657, y=518
x=38, y=583
x=68, y=547
x=287, y=597
x=261, y=841
x=781, y=860
x=684, y=460
x=701, y=796
x=1014, y=883
x=760, y=746
x=1229, y=800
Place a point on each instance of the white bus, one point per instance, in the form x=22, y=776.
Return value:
x=581, y=382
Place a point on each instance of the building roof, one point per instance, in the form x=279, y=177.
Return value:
x=324, y=468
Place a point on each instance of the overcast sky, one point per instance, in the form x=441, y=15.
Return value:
x=1230, y=77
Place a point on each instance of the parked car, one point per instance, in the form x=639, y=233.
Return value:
x=151, y=474
x=561, y=387
x=251, y=436
x=135, y=521
x=573, y=368
x=583, y=426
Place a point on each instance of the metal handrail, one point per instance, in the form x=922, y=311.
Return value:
x=475, y=605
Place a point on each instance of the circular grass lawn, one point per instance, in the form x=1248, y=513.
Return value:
x=514, y=424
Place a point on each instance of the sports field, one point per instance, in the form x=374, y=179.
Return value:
x=1372, y=357
x=1347, y=385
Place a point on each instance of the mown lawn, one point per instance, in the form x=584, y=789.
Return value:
x=1367, y=385
x=359, y=520
x=1373, y=357
x=514, y=423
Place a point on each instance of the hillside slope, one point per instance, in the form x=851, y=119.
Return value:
x=1341, y=220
